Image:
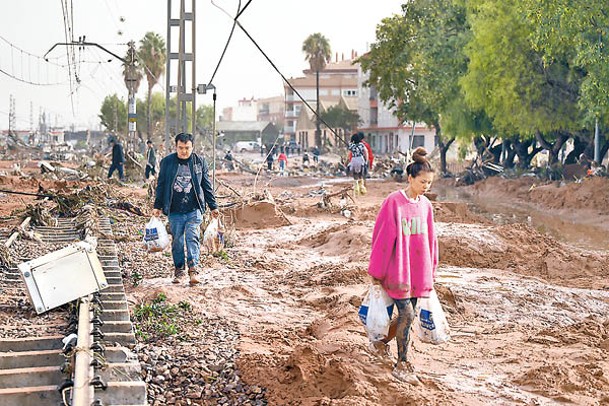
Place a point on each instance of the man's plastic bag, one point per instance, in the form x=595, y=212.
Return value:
x=156, y=238
x=213, y=237
x=378, y=315
x=431, y=325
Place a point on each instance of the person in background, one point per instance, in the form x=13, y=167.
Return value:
x=228, y=159
x=118, y=159
x=269, y=160
x=150, y=160
x=305, y=159
x=404, y=254
x=183, y=190
x=283, y=163
x=358, y=160
x=368, y=167
x=316, y=153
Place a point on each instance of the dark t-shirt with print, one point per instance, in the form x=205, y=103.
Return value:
x=183, y=199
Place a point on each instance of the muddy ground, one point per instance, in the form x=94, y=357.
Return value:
x=527, y=301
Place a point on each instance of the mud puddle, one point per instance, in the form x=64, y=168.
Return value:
x=565, y=227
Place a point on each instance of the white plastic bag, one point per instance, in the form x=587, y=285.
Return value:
x=156, y=238
x=377, y=319
x=431, y=325
x=213, y=237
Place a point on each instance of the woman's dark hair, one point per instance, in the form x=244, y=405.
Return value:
x=357, y=137
x=184, y=137
x=419, y=164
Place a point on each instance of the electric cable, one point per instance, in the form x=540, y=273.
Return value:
x=230, y=36
x=235, y=19
x=30, y=82
x=292, y=87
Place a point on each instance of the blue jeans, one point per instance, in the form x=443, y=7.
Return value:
x=119, y=167
x=185, y=226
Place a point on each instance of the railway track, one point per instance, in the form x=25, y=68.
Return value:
x=78, y=354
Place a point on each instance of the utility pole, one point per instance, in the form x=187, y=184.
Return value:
x=185, y=90
x=132, y=82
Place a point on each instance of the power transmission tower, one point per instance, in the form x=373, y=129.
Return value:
x=185, y=90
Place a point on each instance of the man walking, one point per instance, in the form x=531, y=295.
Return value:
x=183, y=190
x=150, y=160
x=118, y=159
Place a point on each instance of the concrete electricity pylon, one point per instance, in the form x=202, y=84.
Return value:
x=133, y=76
x=185, y=90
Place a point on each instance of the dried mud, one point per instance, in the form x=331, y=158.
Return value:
x=528, y=312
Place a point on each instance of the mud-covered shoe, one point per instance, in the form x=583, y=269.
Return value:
x=380, y=349
x=178, y=274
x=356, y=189
x=362, y=188
x=193, y=278
x=404, y=371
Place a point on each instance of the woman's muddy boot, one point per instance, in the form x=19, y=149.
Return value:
x=193, y=278
x=362, y=188
x=404, y=371
x=356, y=189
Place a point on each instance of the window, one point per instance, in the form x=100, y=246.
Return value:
x=374, y=115
x=373, y=93
x=418, y=141
x=350, y=93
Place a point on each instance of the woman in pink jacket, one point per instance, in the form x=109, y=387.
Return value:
x=404, y=253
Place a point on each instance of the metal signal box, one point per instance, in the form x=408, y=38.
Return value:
x=62, y=276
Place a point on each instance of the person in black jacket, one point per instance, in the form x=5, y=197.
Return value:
x=118, y=159
x=183, y=190
x=150, y=160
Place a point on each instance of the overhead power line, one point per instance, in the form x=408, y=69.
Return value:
x=30, y=82
x=235, y=19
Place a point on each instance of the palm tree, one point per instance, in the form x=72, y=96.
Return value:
x=152, y=55
x=318, y=53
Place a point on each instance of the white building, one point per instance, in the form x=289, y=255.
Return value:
x=383, y=131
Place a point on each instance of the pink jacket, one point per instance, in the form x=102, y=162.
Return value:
x=404, y=254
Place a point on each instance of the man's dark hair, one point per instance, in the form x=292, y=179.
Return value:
x=184, y=137
x=149, y=142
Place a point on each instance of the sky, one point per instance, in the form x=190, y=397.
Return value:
x=29, y=28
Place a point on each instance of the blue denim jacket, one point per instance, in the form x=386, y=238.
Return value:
x=200, y=179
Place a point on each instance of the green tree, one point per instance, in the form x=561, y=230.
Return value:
x=152, y=55
x=512, y=82
x=113, y=114
x=341, y=117
x=157, y=114
x=416, y=61
x=318, y=52
x=577, y=31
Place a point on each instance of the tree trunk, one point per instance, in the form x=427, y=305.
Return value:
x=317, y=124
x=508, y=159
x=444, y=146
x=553, y=149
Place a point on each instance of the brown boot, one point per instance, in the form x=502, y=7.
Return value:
x=193, y=278
x=177, y=276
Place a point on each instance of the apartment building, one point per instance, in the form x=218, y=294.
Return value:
x=383, y=131
x=338, y=85
x=272, y=109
